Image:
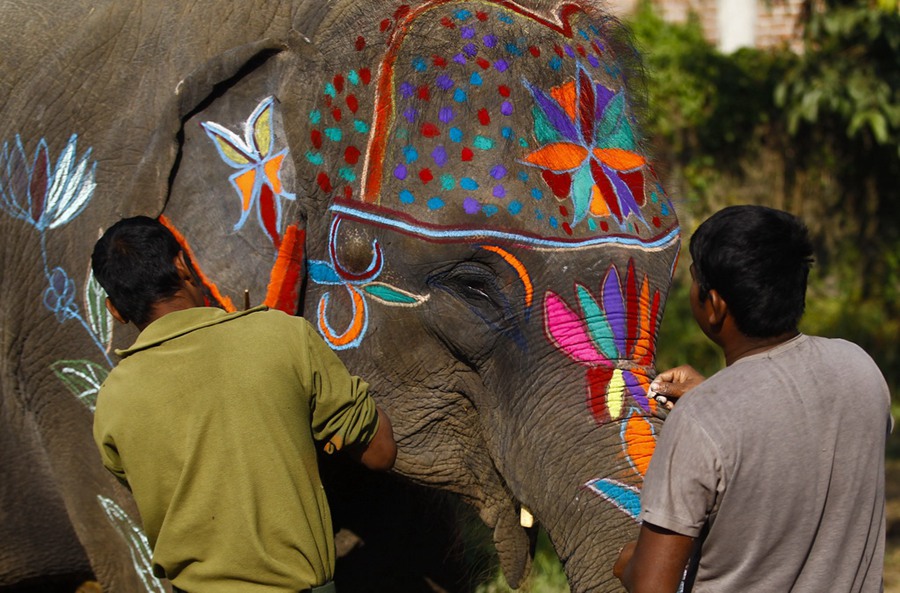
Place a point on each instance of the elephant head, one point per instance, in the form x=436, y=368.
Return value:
x=456, y=194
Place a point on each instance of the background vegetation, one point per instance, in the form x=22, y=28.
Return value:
x=816, y=133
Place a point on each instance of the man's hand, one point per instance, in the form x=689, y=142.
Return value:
x=655, y=563
x=669, y=385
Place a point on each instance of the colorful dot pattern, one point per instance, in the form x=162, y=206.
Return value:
x=462, y=120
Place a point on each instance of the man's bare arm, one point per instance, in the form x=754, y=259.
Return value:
x=381, y=451
x=655, y=563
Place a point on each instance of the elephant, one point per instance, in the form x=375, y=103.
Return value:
x=455, y=193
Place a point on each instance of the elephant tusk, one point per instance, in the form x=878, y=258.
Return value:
x=526, y=519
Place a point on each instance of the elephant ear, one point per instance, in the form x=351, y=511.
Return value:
x=221, y=173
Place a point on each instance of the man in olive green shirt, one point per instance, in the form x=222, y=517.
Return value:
x=212, y=420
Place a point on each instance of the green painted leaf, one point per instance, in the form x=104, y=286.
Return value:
x=390, y=295
x=598, y=327
x=98, y=316
x=138, y=545
x=82, y=377
x=544, y=132
x=614, y=129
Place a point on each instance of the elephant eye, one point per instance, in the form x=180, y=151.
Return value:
x=478, y=287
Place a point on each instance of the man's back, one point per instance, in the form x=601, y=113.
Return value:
x=213, y=416
x=784, y=450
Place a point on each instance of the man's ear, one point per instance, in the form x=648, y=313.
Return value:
x=184, y=270
x=716, y=309
x=115, y=312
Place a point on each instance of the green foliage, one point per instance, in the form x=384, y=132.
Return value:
x=547, y=575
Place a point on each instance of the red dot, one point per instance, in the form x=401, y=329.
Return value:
x=352, y=103
x=581, y=51
x=567, y=227
x=366, y=75
x=360, y=43
x=423, y=93
x=385, y=25
x=324, y=182
x=483, y=63
x=503, y=90
x=339, y=83
x=439, y=61
x=467, y=154
x=563, y=211
x=534, y=51
x=336, y=114
x=484, y=117
x=482, y=16
x=425, y=175
x=656, y=221
x=429, y=130
x=597, y=48
x=604, y=226
x=351, y=155
x=447, y=22
x=558, y=50
x=316, y=137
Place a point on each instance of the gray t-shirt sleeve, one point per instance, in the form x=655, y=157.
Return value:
x=685, y=479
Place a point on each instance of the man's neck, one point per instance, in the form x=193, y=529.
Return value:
x=177, y=302
x=742, y=346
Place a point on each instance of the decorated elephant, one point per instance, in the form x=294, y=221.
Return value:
x=454, y=192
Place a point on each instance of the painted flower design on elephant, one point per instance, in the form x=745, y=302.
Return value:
x=257, y=181
x=587, y=151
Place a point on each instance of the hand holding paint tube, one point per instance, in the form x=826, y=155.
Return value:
x=670, y=385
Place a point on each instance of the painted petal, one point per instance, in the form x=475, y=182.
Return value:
x=605, y=188
x=99, y=318
x=559, y=183
x=556, y=115
x=272, y=168
x=17, y=176
x=557, y=157
x=598, y=380
x=595, y=319
x=632, y=310
x=614, y=129
x=586, y=106
x=40, y=178
x=73, y=185
x=643, y=344
x=624, y=497
x=623, y=194
x=567, y=331
x=231, y=148
x=390, y=295
x=269, y=212
x=637, y=386
x=615, y=395
x=245, y=183
x=582, y=193
x=615, y=308
x=603, y=95
x=322, y=272
x=261, y=124
x=635, y=182
x=618, y=159
x=640, y=442
x=141, y=554
x=82, y=377
x=599, y=207
x=565, y=95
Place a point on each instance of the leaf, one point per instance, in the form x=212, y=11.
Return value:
x=139, y=546
x=230, y=147
x=82, y=377
x=261, y=120
x=73, y=185
x=392, y=296
x=98, y=316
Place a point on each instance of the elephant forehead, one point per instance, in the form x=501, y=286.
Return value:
x=488, y=117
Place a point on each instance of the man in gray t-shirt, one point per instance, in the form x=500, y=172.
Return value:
x=769, y=475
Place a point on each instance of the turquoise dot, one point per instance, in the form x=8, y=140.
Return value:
x=538, y=215
x=537, y=194
x=475, y=79
x=419, y=65
x=353, y=77
x=468, y=184
x=507, y=132
x=460, y=96
x=435, y=203
x=347, y=173
x=402, y=133
x=505, y=18
x=664, y=210
x=330, y=90
x=490, y=210
x=523, y=142
x=556, y=63
x=334, y=134
x=654, y=197
x=483, y=143
x=514, y=207
x=462, y=14
x=455, y=134
x=553, y=222
x=522, y=175
x=410, y=153
x=591, y=224
x=406, y=197
x=315, y=116
x=447, y=182
x=314, y=157
x=361, y=126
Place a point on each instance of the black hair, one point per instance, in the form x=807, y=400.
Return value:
x=134, y=262
x=758, y=260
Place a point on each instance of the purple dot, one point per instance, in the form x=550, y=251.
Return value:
x=469, y=49
x=570, y=52
x=459, y=59
x=498, y=172
x=471, y=206
x=444, y=82
x=593, y=61
x=467, y=32
x=410, y=114
x=400, y=172
x=501, y=65
x=490, y=40
x=446, y=114
x=407, y=90
x=506, y=108
x=499, y=191
x=439, y=155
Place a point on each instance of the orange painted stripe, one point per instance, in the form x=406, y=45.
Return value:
x=639, y=442
x=223, y=300
x=356, y=325
x=284, y=281
x=517, y=265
